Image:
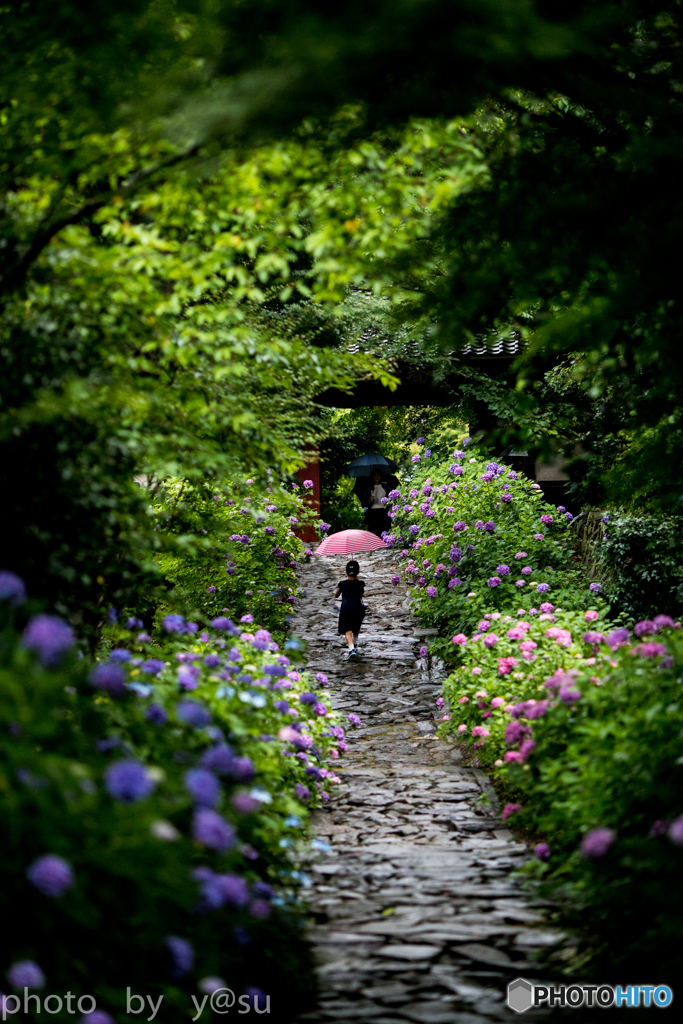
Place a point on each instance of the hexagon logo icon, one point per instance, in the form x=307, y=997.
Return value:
x=520, y=995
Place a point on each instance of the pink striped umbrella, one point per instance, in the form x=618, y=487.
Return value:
x=347, y=542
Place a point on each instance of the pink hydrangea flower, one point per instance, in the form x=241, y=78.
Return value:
x=462, y=728
x=528, y=645
x=497, y=702
x=460, y=639
x=464, y=700
x=490, y=640
x=591, y=615
x=477, y=670
x=510, y=809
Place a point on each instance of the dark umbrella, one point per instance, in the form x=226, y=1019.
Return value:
x=365, y=465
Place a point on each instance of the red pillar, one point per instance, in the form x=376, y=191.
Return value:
x=311, y=471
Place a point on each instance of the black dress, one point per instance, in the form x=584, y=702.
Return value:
x=352, y=611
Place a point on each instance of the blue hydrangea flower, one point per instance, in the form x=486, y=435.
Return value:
x=12, y=588
x=109, y=677
x=212, y=830
x=219, y=759
x=152, y=667
x=181, y=954
x=128, y=781
x=191, y=712
x=119, y=654
x=26, y=974
x=203, y=786
x=49, y=637
x=156, y=714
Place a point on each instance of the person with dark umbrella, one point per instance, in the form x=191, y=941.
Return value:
x=376, y=516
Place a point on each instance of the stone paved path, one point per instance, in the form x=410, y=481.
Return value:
x=416, y=918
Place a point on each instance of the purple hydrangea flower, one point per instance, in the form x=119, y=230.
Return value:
x=244, y=804
x=618, y=637
x=320, y=709
x=542, y=851
x=51, y=875
x=97, y=1017
x=109, y=677
x=152, y=667
x=547, y=520
x=210, y=829
x=242, y=768
x=128, y=781
x=431, y=591
x=423, y=652
x=415, y=458
x=49, y=637
x=12, y=588
x=181, y=954
x=233, y=889
x=212, y=661
x=597, y=842
x=494, y=581
x=302, y=792
x=278, y=671
x=354, y=719
x=222, y=623
x=595, y=587
x=645, y=628
x=191, y=712
x=174, y=624
x=203, y=786
x=211, y=589
x=503, y=570
x=455, y=582
x=26, y=974
x=119, y=654
x=321, y=678
x=542, y=588
x=219, y=759
x=156, y=714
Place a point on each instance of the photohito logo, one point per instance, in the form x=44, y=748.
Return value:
x=522, y=995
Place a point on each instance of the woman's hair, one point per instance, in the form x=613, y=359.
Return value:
x=352, y=568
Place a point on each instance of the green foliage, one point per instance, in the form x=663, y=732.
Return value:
x=639, y=562
x=133, y=862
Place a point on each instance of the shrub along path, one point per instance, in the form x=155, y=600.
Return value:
x=416, y=917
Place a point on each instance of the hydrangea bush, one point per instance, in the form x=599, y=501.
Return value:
x=580, y=720
x=241, y=549
x=475, y=535
x=507, y=661
x=153, y=811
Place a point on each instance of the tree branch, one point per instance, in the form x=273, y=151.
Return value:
x=18, y=272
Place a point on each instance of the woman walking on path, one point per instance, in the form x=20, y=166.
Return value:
x=376, y=515
x=352, y=611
